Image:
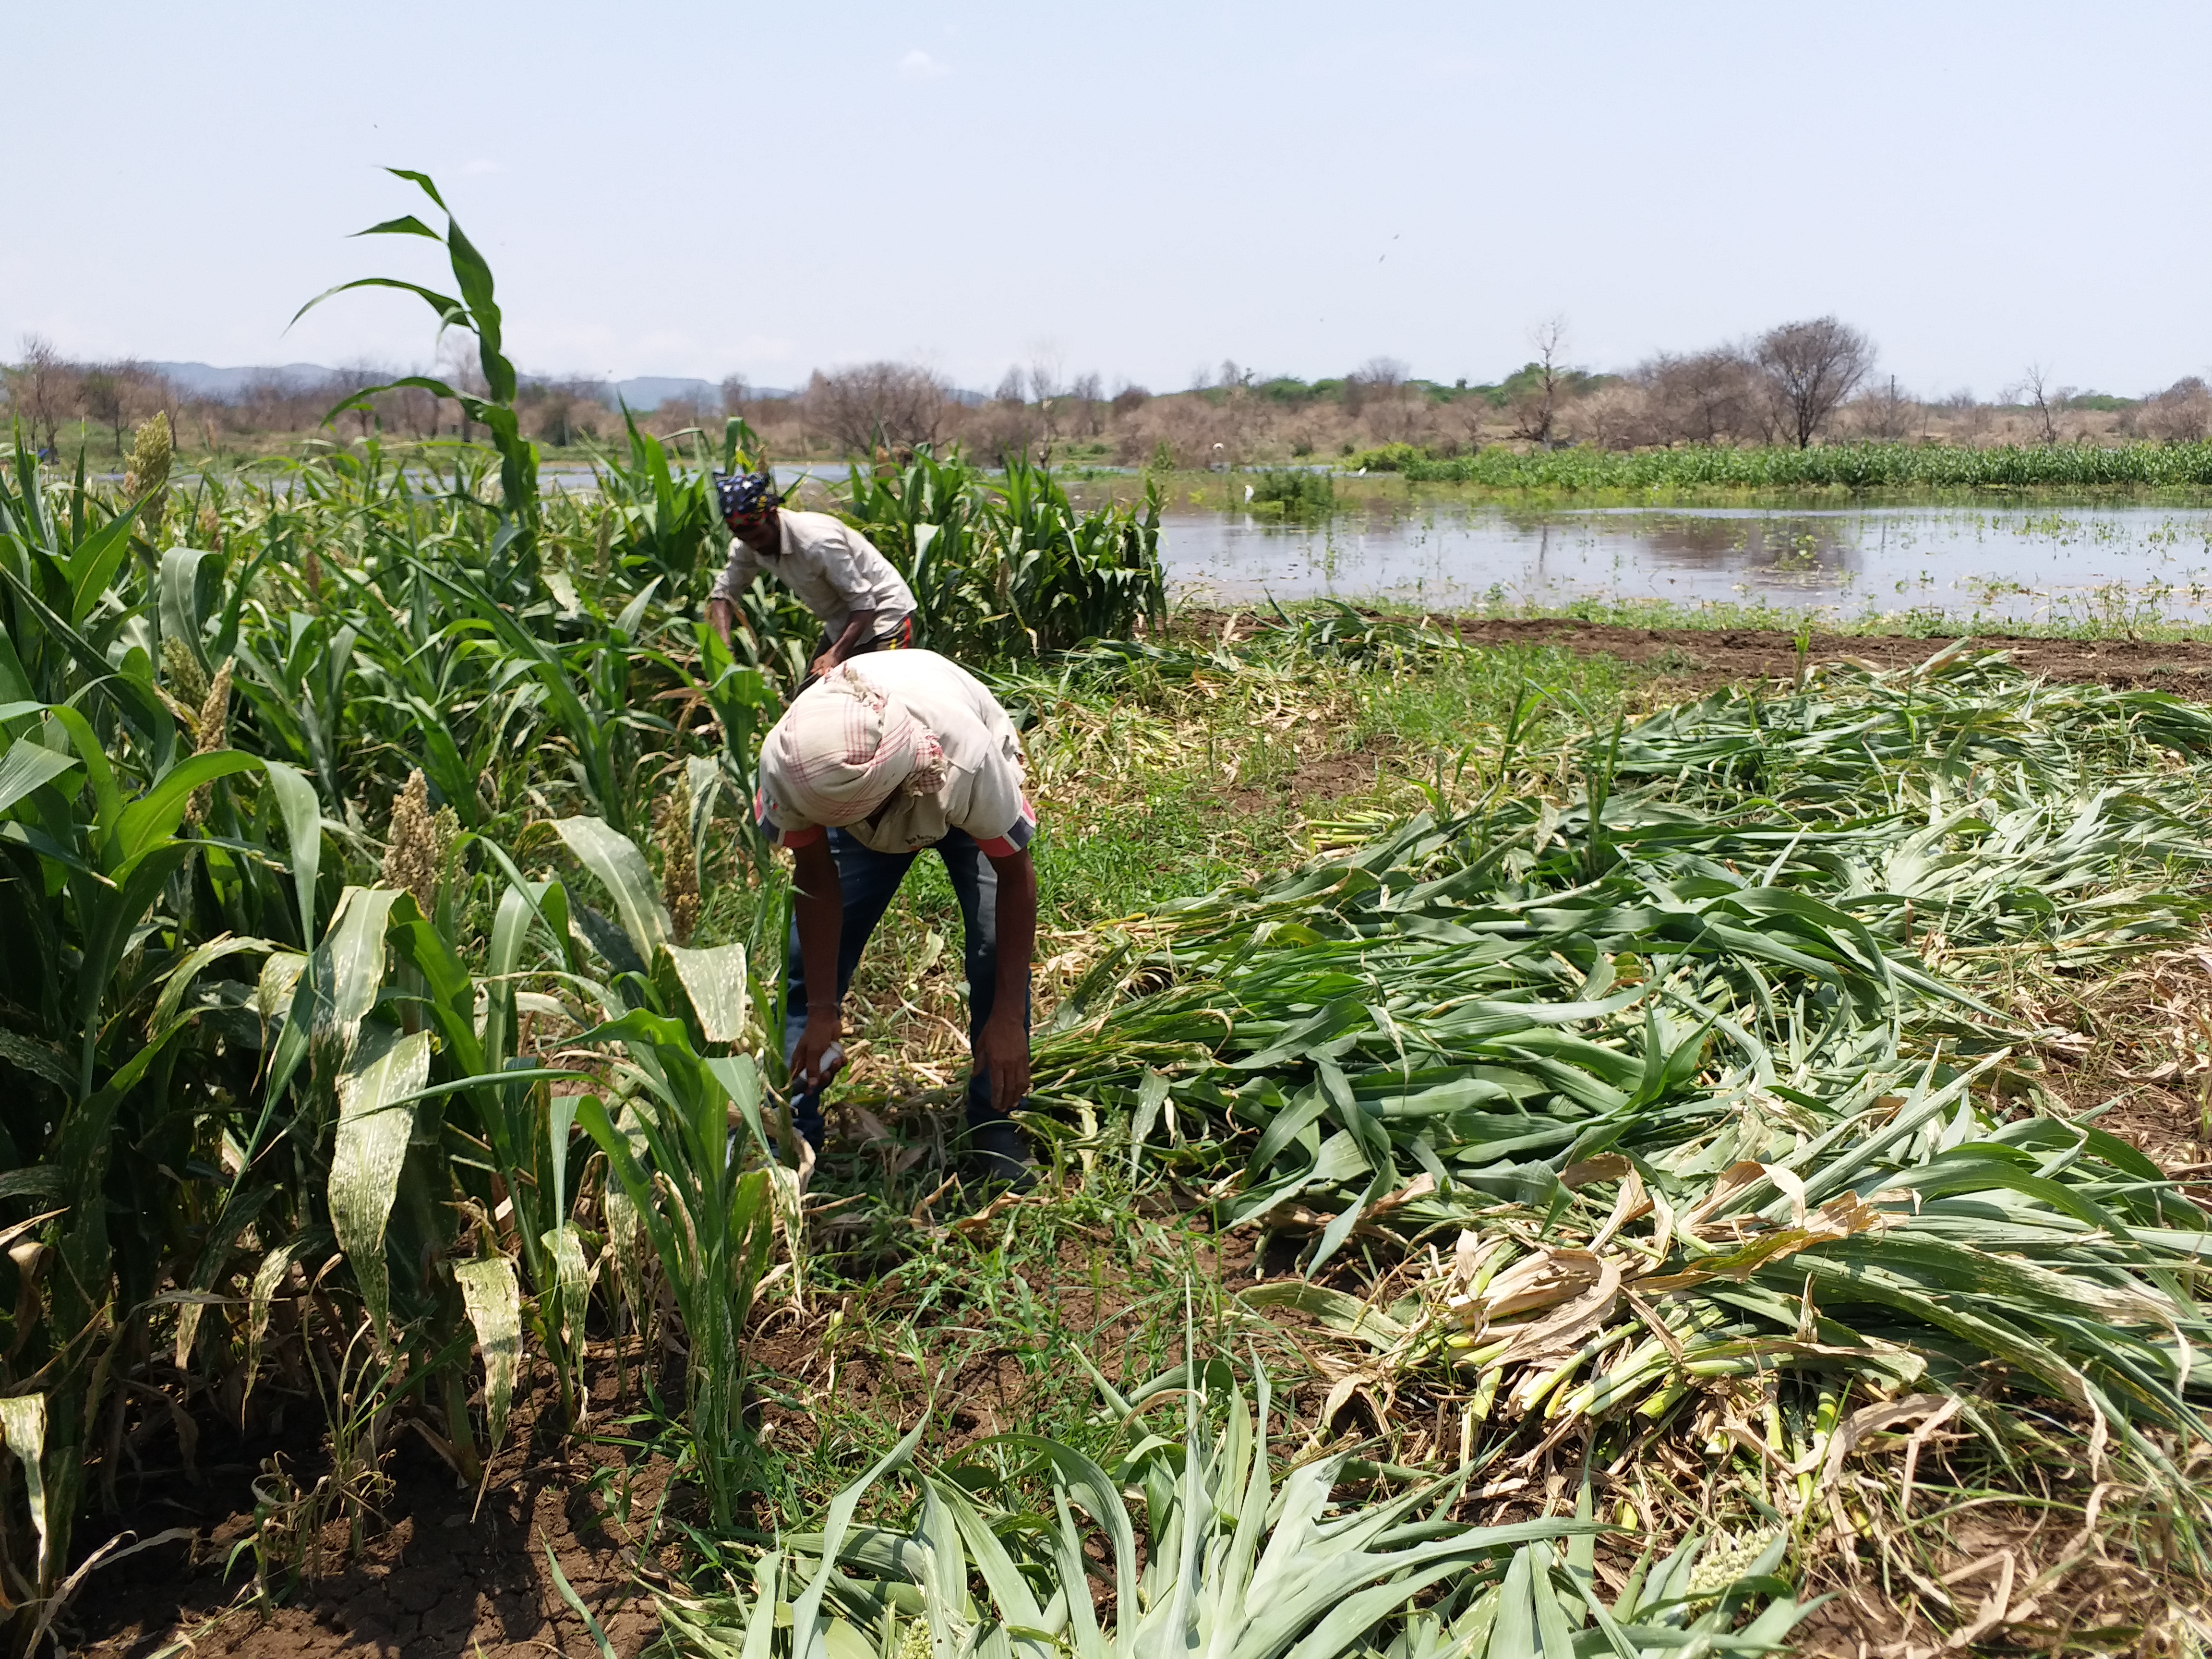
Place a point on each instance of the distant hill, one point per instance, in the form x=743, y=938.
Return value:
x=205, y=381
x=641, y=391
x=644, y=391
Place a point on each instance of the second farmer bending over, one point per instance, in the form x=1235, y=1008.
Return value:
x=862, y=601
x=880, y=759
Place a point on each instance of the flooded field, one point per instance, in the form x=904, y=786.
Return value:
x=2039, y=563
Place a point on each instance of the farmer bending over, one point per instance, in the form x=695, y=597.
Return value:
x=879, y=759
x=863, y=604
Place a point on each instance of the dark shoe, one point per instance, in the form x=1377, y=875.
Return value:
x=807, y=1117
x=998, y=1155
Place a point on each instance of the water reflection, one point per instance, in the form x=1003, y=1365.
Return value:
x=2040, y=563
x=578, y=477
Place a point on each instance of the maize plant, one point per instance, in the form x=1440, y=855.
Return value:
x=669, y=524
x=209, y=1028
x=1014, y=572
x=139, y=852
x=515, y=545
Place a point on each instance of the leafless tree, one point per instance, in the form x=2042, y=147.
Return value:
x=110, y=394
x=273, y=401
x=1886, y=413
x=2047, y=400
x=1084, y=392
x=1617, y=416
x=416, y=410
x=683, y=413
x=40, y=387
x=2180, y=414
x=899, y=406
x=1704, y=398
x=1377, y=375
x=1049, y=395
x=561, y=411
x=736, y=394
x=1536, y=412
x=345, y=386
x=1967, y=413
x=1810, y=368
x=460, y=367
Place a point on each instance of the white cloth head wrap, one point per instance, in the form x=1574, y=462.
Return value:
x=844, y=747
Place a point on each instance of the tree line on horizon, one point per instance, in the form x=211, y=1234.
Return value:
x=1795, y=385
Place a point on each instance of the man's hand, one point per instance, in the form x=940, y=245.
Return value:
x=1003, y=1050
x=721, y=616
x=824, y=1028
x=859, y=628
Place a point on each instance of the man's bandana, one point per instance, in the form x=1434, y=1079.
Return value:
x=845, y=747
x=748, y=492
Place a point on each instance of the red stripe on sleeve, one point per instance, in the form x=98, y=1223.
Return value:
x=1016, y=838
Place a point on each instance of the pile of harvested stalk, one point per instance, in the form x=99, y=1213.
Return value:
x=1689, y=1125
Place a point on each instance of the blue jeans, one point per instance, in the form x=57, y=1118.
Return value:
x=866, y=879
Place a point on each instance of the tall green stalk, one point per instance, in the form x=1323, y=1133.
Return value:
x=515, y=545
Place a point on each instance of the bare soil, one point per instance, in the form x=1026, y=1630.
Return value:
x=1712, y=657
x=435, y=1575
x=1704, y=657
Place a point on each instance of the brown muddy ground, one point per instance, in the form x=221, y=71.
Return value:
x=435, y=1575
x=1704, y=657
x=1722, y=656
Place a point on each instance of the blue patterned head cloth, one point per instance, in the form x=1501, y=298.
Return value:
x=748, y=492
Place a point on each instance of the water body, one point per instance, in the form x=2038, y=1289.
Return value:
x=577, y=478
x=2039, y=563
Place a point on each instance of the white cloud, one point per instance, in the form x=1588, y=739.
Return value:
x=481, y=167
x=919, y=65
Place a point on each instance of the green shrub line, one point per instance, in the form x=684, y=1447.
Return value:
x=1860, y=467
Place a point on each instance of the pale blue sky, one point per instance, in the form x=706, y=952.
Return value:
x=1137, y=190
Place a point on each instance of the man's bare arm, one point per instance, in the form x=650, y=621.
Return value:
x=721, y=616
x=818, y=903
x=1003, y=1046
x=860, y=626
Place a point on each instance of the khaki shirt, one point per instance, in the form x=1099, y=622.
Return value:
x=982, y=793
x=833, y=568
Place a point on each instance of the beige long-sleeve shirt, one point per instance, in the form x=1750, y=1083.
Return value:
x=833, y=568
